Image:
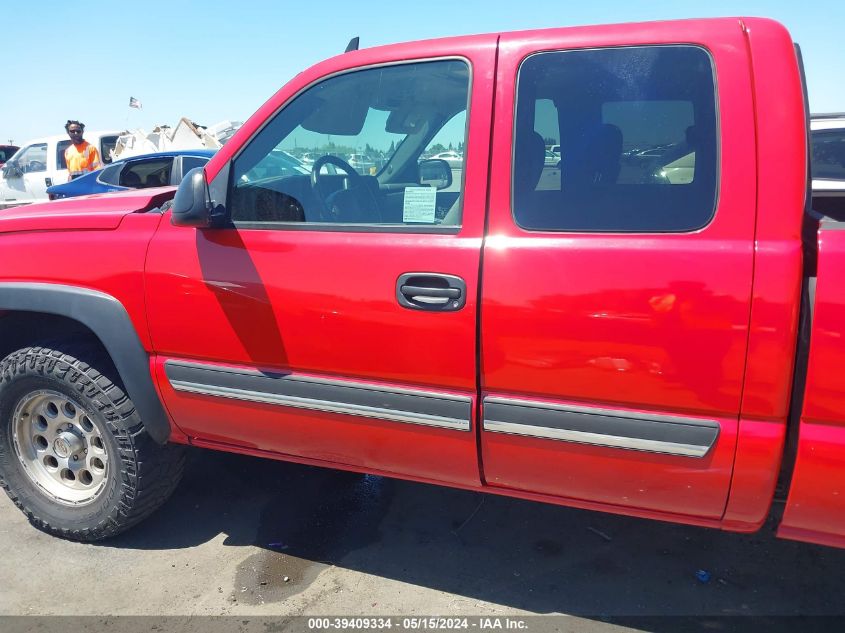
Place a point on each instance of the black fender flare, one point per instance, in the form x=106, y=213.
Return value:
x=106, y=317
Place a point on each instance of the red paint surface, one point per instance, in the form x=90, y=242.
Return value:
x=652, y=322
x=815, y=509
x=773, y=330
x=97, y=212
x=324, y=303
x=700, y=324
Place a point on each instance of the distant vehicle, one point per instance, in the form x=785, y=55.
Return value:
x=6, y=152
x=552, y=159
x=138, y=172
x=454, y=159
x=828, y=149
x=277, y=164
x=361, y=163
x=40, y=163
x=827, y=135
x=309, y=157
x=679, y=171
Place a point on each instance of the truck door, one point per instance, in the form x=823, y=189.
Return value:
x=23, y=180
x=335, y=320
x=617, y=281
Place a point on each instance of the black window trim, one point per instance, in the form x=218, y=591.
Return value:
x=717, y=113
x=363, y=227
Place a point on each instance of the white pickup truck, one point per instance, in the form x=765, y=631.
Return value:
x=40, y=163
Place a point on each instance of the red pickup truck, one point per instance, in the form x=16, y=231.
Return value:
x=649, y=324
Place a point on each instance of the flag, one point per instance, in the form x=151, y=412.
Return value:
x=134, y=103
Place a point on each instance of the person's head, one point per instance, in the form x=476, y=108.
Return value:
x=75, y=130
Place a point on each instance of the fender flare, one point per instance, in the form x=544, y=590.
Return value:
x=106, y=317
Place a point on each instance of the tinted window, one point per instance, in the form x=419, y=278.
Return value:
x=620, y=139
x=192, y=162
x=362, y=135
x=7, y=152
x=110, y=175
x=146, y=173
x=828, y=154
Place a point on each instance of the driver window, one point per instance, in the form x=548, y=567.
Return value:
x=381, y=146
x=33, y=158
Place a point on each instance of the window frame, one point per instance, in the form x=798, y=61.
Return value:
x=228, y=173
x=718, y=145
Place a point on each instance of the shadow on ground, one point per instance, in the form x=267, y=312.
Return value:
x=522, y=555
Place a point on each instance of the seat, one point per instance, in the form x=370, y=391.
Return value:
x=153, y=180
x=592, y=158
x=529, y=158
x=130, y=179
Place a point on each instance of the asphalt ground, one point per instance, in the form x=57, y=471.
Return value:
x=249, y=537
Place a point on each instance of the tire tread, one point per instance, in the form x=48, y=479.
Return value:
x=148, y=473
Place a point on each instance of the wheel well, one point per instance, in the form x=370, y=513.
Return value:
x=20, y=329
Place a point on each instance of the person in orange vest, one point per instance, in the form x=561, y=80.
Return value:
x=81, y=157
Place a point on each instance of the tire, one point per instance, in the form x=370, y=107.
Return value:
x=74, y=455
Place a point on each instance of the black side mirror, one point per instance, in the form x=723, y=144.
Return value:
x=12, y=170
x=192, y=205
x=435, y=172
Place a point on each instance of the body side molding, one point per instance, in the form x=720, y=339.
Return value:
x=612, y=428
x=399, y=404
x=106, y=317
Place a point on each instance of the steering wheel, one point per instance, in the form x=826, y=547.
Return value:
x=350, y=202
x=36, y=165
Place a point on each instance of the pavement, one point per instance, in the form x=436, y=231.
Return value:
x=244, y=536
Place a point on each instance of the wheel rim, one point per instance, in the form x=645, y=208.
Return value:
x=61, y=447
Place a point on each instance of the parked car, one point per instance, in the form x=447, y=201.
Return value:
x=361, y=163
x=642, y=347
x=138, y=172
x=455, y=159
x=40, y=163
x=279, y=164
x=827, y=133
x=6, y=152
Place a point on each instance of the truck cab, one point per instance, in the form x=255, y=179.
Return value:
x=40, y=163
x=618, y=331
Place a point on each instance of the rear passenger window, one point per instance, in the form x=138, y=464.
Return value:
x=616, y=140
x=147, y=173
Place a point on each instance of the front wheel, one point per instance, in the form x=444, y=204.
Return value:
x=74, y=455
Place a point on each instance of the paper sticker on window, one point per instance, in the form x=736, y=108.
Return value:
x=419, y=204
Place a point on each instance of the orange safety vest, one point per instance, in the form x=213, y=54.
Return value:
x=81, y=158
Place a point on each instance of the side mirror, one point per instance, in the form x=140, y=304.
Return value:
x=435, y=172
x=12, y=170
x=192, y=205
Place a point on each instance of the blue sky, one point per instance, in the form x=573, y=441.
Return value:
x=217, y=60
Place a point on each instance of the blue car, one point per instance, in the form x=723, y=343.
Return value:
x=138, y=172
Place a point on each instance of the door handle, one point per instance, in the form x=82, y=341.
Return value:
x=431, y=291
